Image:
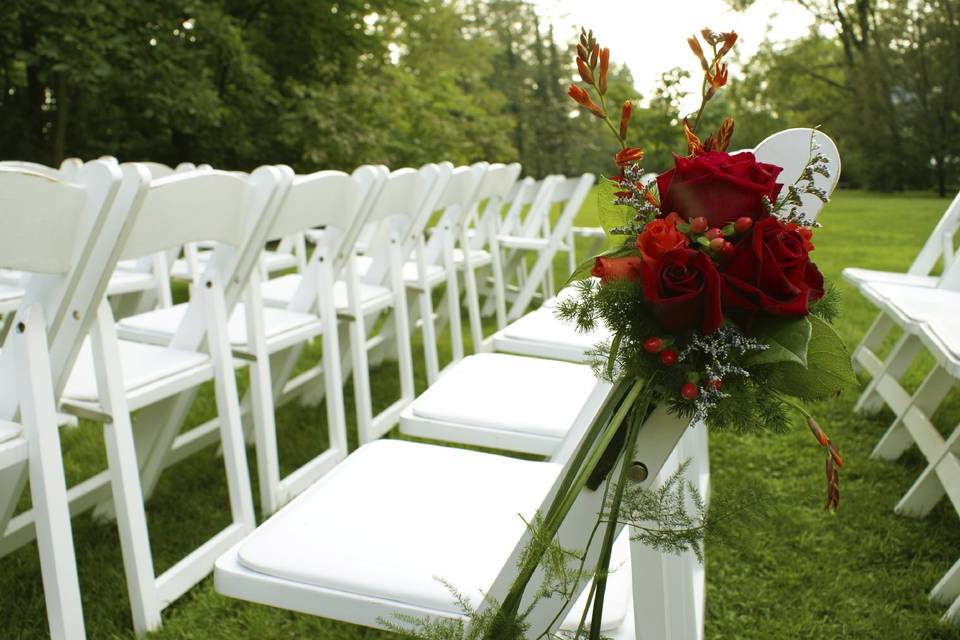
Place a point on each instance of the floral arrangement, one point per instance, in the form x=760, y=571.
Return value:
x=711, y=295
x=716, y=311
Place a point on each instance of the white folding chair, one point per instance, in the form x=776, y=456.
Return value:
x=361, y=299
x=435, y=260
x=876, y=285
x=134, y=285
x=478, y=248
x=51, y=228
x=570, y=193
x=114, y=377
x=272, y=339
x=324, y=554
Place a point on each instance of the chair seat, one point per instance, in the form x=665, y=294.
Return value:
x=124, y=281
x=411, y=274
x=544, y=327
x=278, y=292
x=946, y=333
x=333, y=536
x=860, y=277
x=478, y=257
x=141, y=364
x=913, y=304
x=10, y=296
x=8, y=430
x=523, y=242
x=508, y=393
x=272, y=260
x=158, y=326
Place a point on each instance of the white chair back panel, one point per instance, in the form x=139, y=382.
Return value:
x=187, y=207
x=322, y=199
x=791, y=150
x=498, y=181
x=403, y=193
x=40, y=219
x=460, y=186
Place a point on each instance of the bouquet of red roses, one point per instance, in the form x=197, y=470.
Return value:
x=709, y=291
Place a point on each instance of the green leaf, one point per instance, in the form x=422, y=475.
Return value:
x=683, y=227
x=728, y=229
x=787, y=339
x=703, y=240
x=584, y=268
x=828, y=369
x=609, y=214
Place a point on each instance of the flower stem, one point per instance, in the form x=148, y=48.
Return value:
x=606, y=549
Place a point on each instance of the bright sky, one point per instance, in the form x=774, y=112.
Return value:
x=651, y=37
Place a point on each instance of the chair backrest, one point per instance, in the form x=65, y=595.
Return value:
x=657, y=440
x=337, y=201
x=234, y=210
x=542, y=201
x=792, y=149
x=64, y=233
x=404, y=196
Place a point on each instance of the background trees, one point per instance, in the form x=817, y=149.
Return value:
x=337, y=83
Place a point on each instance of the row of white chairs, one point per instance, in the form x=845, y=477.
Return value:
x=154, y=360
x=320, y=554
x=923, y=305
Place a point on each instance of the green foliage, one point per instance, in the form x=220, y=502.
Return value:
x=827, y=371
x=786, y=339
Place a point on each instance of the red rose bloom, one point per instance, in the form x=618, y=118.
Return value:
x=770, y=272
x=625, y=268
x=718, y=186
x=660, y=236
x=683, y=289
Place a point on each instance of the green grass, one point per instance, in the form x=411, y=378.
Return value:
x=795, y=573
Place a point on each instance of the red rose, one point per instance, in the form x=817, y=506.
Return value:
x=660, y=236
x=683, y=288
x=718, y=186
x=625, y=268
x=770, y=272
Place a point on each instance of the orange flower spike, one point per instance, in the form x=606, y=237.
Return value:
x=724, y=134
x=719, y=78
x=698, y=51
x=585, y=74
x=694, y=145
x=625, y=114
x=578, y=95
x=604, y=66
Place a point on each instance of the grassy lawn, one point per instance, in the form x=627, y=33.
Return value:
x=795, y=573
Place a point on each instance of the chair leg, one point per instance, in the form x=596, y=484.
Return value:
x=895, y=367
x=361, y=377
x=48, y=487
x=265, y=433
x=132, y=525
x=428, y=329
x=947, y=591
x=872, y=339
x=928, y=397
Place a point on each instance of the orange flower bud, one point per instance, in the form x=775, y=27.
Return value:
x=719, y=77
x=625, y=113
x=582, y=98
x=628, y=156
x=604, y=66
x=585, y=74
x=581, y=52
x=594, y=53
x=698, y=51
x=729, y=39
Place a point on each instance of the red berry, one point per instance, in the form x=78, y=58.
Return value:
x=717, y=244
x=742, y=224
x=714, y=233
x=668, y=357
x=727, y=248
x=689, y=391
x=716, y=384
x=698, y=224
x=653, y=345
